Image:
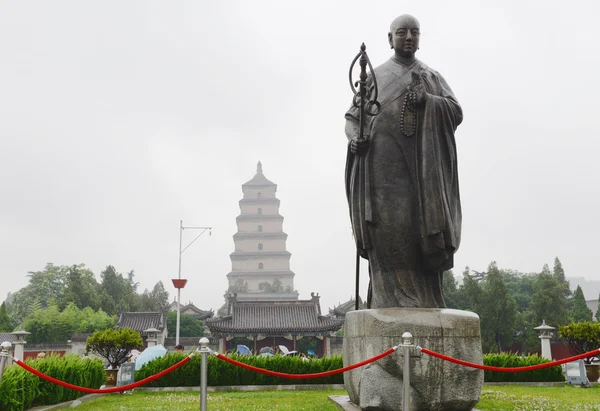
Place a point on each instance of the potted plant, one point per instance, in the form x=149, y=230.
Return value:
x=583, y=337
x=115, y=346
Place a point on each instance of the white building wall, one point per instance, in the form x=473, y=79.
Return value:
x=268, y=226
x=270, y=264
x=266, y=209
x=252, y=245
x=265, y=192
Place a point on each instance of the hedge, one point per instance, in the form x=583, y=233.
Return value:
x=20, y=389
x=222, y=373
x=512, y=360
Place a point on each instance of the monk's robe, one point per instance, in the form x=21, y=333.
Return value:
x=403, y=193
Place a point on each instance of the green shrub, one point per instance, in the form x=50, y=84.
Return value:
x=581, y=337
x=114, y=344
x=222, y=373
x=511, y=360
x=20, y=389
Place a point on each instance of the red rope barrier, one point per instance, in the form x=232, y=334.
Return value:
x=509, y=369
x=305, y=376
x=106, y=390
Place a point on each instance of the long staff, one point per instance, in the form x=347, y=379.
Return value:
x=368, y=107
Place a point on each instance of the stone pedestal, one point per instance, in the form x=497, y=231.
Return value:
x=436, y=385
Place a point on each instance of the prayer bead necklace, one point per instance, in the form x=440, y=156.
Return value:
x=410, y=105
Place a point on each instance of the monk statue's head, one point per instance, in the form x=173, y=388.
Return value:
x=404, y=36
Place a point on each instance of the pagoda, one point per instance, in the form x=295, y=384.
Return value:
x=260, y=263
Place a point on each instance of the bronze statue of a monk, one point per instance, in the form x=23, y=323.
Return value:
x=405, y=202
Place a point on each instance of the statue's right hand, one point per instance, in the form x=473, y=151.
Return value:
x=359, y=147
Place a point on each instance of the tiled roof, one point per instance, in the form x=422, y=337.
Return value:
x=274, y=317
x=341, y=309
x=198, y=313
x=142, y=321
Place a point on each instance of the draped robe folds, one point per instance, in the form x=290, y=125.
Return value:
x=403, y=193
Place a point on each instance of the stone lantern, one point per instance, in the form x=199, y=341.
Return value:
x=545, y=336
x=20, y=343
x=152, y=338
x=4, y=356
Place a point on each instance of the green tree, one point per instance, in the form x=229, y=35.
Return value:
x=581, y=337
x=42, y=323
x=559, y=274
x=558, y=270
x=82, y=289
x=525, y=334
x=5, y=322
x=497, y=311
x=549, y=301
x=91, y=321
x=188, y=325
x=114, y=344
x=45, y=288
x=159, y=297
x=472, y=292
x=520, y=287
x=50, y=325
x=579, y=309
x=116, y=291
x=133, y=284
x=450, y=289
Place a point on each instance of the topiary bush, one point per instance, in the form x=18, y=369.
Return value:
x=114, y=344
x=581, y=337
x=20, y=389
x=222, y=373
x=511, y=360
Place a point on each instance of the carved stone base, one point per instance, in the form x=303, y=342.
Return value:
x=436, y=385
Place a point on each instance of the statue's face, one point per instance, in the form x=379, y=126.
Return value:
x=404, y=36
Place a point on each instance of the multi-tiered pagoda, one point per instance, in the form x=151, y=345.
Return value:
x=262, y=308
x=260, y=262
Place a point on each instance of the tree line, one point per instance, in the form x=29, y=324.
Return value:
x=62, y=300
x=511, y=304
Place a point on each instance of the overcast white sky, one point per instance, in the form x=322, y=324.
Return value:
x=119, y=118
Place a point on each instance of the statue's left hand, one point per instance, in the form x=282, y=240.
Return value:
x=421, y=94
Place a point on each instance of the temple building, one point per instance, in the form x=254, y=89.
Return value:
x=191, y=310
x=260, y=262
x=297, y=325
x=262, y=308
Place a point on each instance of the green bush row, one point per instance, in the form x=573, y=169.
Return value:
x=223, y=373
x=20, y=389
x=512, y=360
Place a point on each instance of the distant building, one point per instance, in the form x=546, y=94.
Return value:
x=191, y=310
x=260, y=263
x=340, y=310
x=590, y=288
x=143, y=321
x=260, y=324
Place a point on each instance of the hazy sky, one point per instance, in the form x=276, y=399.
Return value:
x=119, y=118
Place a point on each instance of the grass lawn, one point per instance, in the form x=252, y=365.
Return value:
x=522, y=398
x=493, y=398
x=222, y=401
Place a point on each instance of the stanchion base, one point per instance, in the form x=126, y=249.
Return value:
x=435, y=385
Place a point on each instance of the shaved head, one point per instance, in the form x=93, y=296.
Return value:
x=404, y=21
x=404, y=36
